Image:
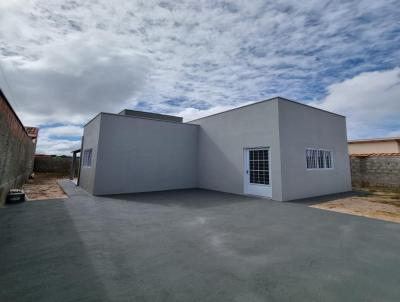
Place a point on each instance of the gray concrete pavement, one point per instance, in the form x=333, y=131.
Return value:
x=193, y=245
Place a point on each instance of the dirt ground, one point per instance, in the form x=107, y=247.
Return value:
x=44, y=186
x=375, y=203
x=381, y=204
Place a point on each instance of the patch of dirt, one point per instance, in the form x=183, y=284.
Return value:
x=373, y=203
x=44, y=186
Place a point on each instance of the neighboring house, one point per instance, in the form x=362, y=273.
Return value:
x=16, y=150
x=375, y=146
x=275, y=148
x=33, y=133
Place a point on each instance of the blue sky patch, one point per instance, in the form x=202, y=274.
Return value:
x=66, y=63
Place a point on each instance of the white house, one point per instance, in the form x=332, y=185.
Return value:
x=276, y=148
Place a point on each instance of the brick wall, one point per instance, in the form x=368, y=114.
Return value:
x=16, y=150
x=375, y=171
x=54, y=164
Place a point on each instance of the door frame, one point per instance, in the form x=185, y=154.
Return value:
x=246, y=168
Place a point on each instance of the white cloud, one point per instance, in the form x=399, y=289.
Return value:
x=56, y=146
x=76, y=79
x=66, y=60
x=60, y=131
x=370, y=101
x=395, y=133
x=59, y=140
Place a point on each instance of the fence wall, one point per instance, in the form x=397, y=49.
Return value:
x=16, y=150
x=376, y=170
x=54, y=164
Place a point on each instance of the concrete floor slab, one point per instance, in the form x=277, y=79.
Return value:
x=193, y=245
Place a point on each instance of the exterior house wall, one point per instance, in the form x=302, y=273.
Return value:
x=140, y=155
x=16, y=150
x=91, y=136
x=136, y=154
x=222, y=139
x=392, y=146
x=302, y=127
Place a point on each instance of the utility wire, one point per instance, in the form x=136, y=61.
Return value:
x=8, y=86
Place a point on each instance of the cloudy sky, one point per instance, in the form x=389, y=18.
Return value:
x=62, y=62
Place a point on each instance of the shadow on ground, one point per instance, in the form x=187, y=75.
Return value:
x=192, y=245
x=42, y=257
x=186, y=198
x=325, y=198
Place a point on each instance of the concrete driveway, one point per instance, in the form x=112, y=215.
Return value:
x=193, y=245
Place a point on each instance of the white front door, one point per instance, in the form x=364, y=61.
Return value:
x=257, y=167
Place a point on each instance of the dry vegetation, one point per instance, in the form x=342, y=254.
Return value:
x=44, y=186
x=376, y=203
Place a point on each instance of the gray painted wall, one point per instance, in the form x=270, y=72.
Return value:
x=139, y=155
x=301, y=127
x=222, y=139
x=91, y=140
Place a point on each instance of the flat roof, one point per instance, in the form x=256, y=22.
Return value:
x=137, y=117
x=372, y=140
x=152, y=115
x=177, y=119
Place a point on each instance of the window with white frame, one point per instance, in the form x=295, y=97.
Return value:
x=87, y=158
x=319, y=159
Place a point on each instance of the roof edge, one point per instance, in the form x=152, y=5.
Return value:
x=12, y=110
x=151, y=115
x=137, y=117
x=267, y=100
x=236, y=108
x=371, y=140
x=375, y=154
x=92, y=119
x=309, y=106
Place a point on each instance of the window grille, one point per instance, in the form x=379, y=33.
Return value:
x=319, y=159
x=87, y=158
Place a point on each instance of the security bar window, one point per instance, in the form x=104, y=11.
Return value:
x=87, y=158
x=319, y=159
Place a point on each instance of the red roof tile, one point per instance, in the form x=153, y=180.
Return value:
x=373, y=140
x=32, y=131
x=375, y=154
